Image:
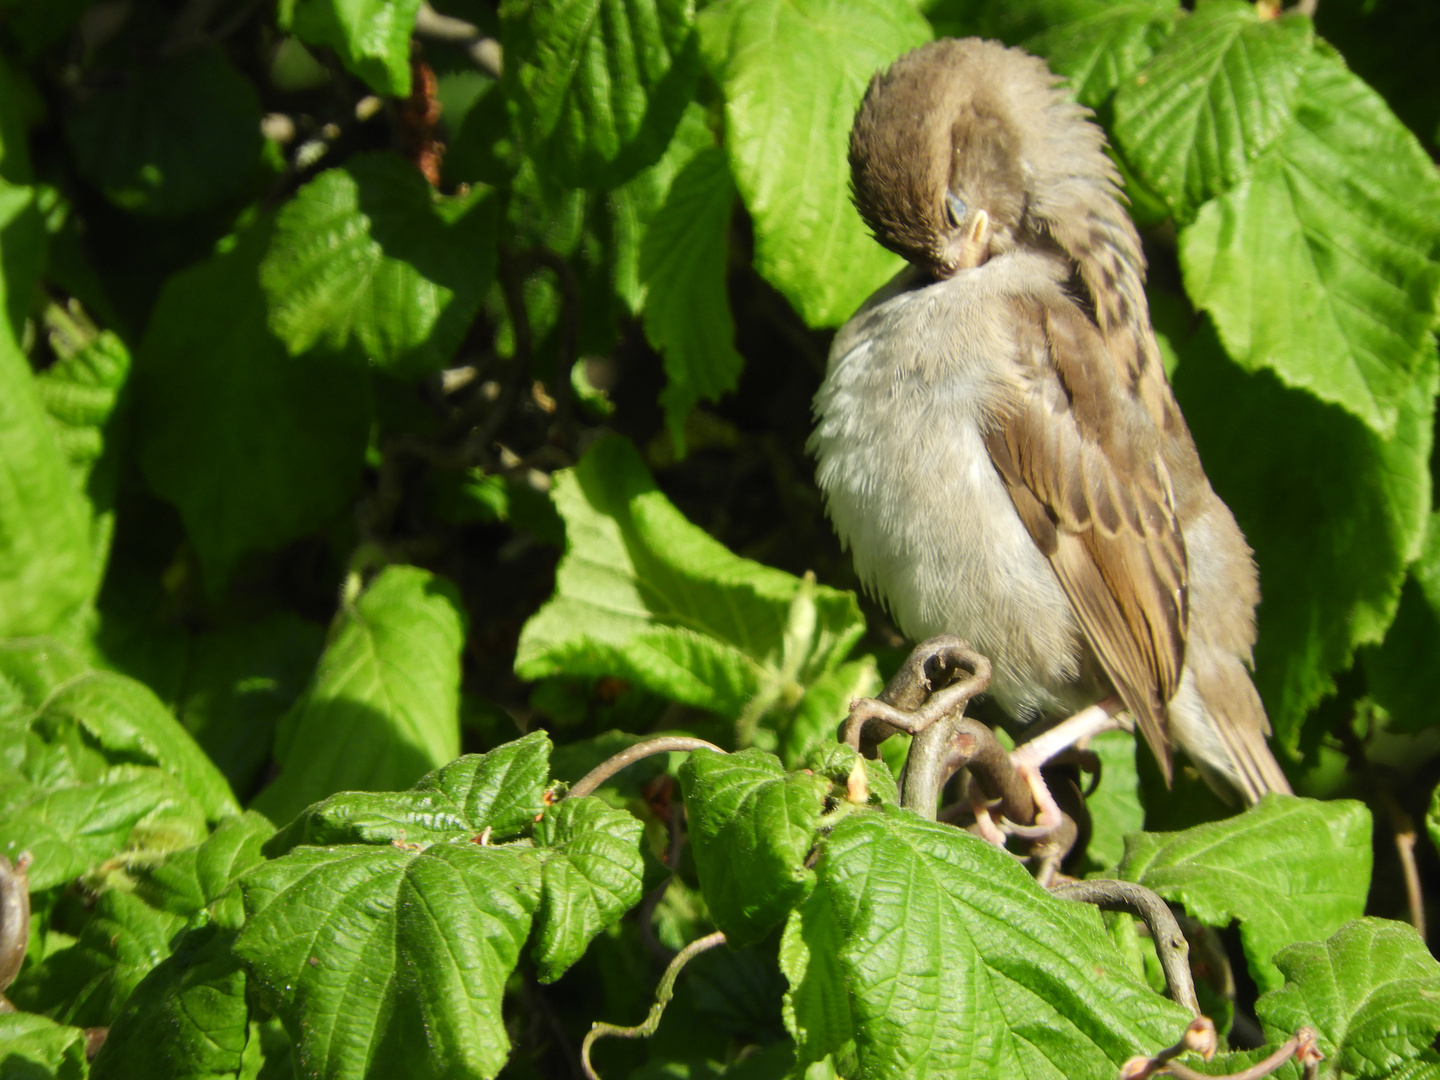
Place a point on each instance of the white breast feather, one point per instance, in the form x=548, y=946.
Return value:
x=913, y=381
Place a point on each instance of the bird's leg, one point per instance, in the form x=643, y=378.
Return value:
x=1086, y=724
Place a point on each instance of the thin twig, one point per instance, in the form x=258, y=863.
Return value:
x=663, y=993
x=1198, y=1037
x=1301, y=1046
x=612, y=765
x=1150, y=908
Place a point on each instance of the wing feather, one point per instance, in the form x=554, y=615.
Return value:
x=1082, y=462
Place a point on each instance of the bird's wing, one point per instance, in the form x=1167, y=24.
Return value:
x=1081, y=458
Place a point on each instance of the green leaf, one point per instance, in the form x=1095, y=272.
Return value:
x=131, y=724
x=793, y=73
x=119, y=716
x=1097, y=44
x=169, y=137
x=71, y=829
x=384, y=706
x=254, y=447
x=385, y=962
x=36, y=1048
x=1372, y=991
x=751, y=827
x=45, y=562
x=369, y=256
x=1215, y=96
x=813, y=727
x=1321, y=264
x=1288, y=869
x=502, y=790
x=1263, y=447
x=187, y=1020
x=201, y=878
x=633, y=205
x=238, y=683
x=371, y=37
x=1114, y=807
x=598, y=85
x=88, y=983
x=836, y=762
x=1402, y=674
x=644, y=595
x=684, y=259
x=953, y=962
x=82, y=393
x=593, y=877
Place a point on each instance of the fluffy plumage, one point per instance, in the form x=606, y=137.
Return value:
x=996, y=439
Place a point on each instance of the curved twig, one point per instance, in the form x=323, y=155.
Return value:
x=1303, y=1046
x=1151, y=909
x=663, y=993
x=612, y=765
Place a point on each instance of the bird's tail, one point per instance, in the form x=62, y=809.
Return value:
x=1218, y=720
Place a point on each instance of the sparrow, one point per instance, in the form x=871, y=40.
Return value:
x=995, y=438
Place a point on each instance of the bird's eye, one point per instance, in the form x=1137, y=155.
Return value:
x=955, y=208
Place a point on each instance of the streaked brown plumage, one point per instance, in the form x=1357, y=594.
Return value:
x=997, y=441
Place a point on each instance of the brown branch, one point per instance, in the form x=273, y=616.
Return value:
x=612, y=765
x=1302, y=1046
x=1151, y=909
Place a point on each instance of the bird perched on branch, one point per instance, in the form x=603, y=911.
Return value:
x=996, y=439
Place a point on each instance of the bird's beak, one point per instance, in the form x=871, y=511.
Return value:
x=975, y=247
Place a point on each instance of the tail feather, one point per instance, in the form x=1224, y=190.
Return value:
x=1217, y=718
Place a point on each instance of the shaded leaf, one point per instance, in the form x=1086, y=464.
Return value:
x=36, y=1048
x=793, y=73
x=684, y=259
x=1263, y=447
x=1288, y=869
x=187, y=1020
x=170, y=137
x=1114, y=807
x=367, y=255
x=384, y=706
x=201, y=878
x=88, y=983
x=254, y=447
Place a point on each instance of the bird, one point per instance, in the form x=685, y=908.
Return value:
x=995, y=438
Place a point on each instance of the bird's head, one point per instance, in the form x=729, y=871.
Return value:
x=950, y=146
